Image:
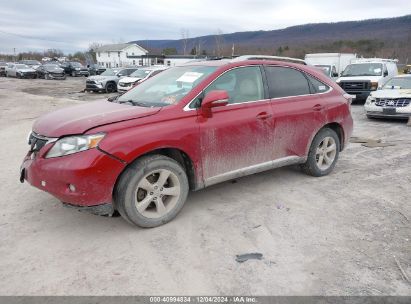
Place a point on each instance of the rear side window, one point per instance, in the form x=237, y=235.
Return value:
x=317, y=86
x=285, y=82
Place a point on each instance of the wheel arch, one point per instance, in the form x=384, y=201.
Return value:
x=179, y=156
x=337, y=128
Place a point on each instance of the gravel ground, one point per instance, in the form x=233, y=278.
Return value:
x=343, y=234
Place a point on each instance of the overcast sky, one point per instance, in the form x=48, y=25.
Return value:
x=72, y=25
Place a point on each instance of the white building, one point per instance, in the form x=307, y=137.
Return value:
x=122, y=55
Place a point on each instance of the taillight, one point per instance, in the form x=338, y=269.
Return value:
x=349, y=99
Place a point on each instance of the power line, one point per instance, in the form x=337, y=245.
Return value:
x=32, y=37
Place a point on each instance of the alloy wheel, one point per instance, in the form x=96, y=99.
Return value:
x=325, y=153
x=157, y=193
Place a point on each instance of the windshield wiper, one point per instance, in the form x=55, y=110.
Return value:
x=136, y=103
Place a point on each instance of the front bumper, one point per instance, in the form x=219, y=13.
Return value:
x=93, y=174
x=28, y=75
x=122, y=88
x=81, y=73
x=372, y=110
x=93, y=86
x=61, y=76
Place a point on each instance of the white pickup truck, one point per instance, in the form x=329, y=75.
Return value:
x=366, y=75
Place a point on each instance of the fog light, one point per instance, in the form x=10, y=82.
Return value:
x=72, y=188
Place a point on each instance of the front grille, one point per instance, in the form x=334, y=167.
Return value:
x=351, y=86
x=90, y=82
x=392, y=102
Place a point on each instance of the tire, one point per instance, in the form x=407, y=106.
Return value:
x=141, y=184
x=18, y=75
x=111, y=87
x=317, y=164
x=73, y=74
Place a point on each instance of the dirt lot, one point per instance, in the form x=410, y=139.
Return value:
x=338, y=235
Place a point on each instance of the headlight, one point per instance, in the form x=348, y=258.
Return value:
x=374, y=86
x=370, y=100
x=73, y=144
x=77, y=69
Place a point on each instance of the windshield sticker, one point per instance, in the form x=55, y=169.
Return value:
x=321, y=88
x=377, y=70
x=189, y=77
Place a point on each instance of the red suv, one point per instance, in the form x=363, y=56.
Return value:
x=185, y=129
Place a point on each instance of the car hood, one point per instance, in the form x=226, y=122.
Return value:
x=392, y=93
x=56, y=70
x=79, y=119
x=359, y=78
x=25, y=70
x=130, y=79
x=103, y=78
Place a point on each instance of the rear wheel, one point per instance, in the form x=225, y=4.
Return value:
x=151, y=191
x=323, y=153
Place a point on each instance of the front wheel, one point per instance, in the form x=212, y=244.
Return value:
x=323, y=153
x=110, y=87
x=151, y=191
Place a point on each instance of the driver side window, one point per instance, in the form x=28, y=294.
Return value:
x=242, y=85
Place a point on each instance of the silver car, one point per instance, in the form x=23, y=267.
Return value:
x=20, y=70
x=107, y=81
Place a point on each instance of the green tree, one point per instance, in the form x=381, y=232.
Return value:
x=169, y=51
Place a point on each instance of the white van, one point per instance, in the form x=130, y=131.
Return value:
x=363, y=76
x=332, y=64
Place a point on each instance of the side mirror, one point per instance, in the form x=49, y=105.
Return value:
x=385, y=73
x=213, y=99
x=335, y=74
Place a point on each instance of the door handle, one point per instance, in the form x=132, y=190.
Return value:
x=263, y=116
x=318, y=107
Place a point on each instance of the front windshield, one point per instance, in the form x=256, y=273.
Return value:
x=140, y=73
x=168, y=87
x=399, y=83
x=76, y=64
x=33, y=62
x=51, y=66
x=363, y=69
x=325, y=69
x=21, y=66
x=108, y=72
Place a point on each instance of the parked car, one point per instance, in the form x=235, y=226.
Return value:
x=107, y=81
x=364, y=76
x=393, y=100
x=34, y=64
x=20, y=71
x=74, y=69
x=189, y=127
x=50, y=71
x=3, y=66
x=138, y=76
x=95, y=69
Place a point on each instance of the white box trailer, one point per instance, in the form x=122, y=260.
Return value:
x=331, y=63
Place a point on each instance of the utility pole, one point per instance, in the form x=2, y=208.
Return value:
x=14, y=52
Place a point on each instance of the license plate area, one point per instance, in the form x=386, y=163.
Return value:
x=389, y=111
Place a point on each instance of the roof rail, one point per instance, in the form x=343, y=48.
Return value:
x=266, y=57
